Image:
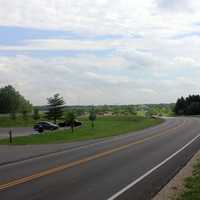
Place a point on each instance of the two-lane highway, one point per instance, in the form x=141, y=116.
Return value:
x=131, y=166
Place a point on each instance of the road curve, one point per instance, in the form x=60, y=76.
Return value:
x=131, y=166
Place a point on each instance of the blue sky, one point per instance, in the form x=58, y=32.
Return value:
x=13, y=35
x=100, y=51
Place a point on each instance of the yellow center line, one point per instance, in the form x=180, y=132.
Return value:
x=79, y=162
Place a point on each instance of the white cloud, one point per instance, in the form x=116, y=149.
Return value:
x=152, y=62
x=86, y=15
x=44, y=77
x=63, y=44
x=88, y=83
x=116, y=80
x=122, y=16
x=186, y=62
x=175, y=5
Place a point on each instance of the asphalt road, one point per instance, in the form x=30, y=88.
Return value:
x=133, y=166
x=21, y=131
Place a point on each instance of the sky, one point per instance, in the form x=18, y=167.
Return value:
x=101, y=51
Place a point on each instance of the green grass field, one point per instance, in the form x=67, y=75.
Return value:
x=104, y=127
x=6, y=121
x=192, y=185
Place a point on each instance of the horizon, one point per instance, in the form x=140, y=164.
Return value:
x=101, y=52
x=96, y=105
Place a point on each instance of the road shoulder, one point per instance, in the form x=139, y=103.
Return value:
x=172, y=190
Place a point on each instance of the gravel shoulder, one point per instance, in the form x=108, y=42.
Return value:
x=172, y=190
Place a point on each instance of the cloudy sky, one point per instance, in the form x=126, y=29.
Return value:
x=101, y=51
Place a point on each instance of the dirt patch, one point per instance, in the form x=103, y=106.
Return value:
x=176, y=185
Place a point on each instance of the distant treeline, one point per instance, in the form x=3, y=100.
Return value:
x=12, y=102
x=188, y=106
x=143, y=109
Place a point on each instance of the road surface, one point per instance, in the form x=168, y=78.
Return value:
x=21, y=131
x=133, y=166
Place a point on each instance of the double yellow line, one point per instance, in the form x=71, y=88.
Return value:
x=79, y=162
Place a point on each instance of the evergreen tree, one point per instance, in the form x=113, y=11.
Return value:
x=188, y=106
x=55, y=107
x=180, y=106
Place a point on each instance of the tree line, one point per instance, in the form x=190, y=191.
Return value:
x=13, y=103
x=188, y=106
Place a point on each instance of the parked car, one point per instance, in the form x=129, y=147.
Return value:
x=66, y=123
x=41, y=126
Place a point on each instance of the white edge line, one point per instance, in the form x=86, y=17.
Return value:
x=152, y=170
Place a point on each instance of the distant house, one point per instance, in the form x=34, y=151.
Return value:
x=108, y=114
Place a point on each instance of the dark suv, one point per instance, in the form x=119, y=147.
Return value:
x=66, y=124
x=41, y=126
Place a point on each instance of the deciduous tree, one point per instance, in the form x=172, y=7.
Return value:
x=36, y=114
x=92, y=116
x=70, y=118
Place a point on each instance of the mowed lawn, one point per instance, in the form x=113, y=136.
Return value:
x=104, y=127
x=6, y=122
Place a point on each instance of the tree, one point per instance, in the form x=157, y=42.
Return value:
x=193, y=108
x=79, y=112
x=11, y=101
x=13, y=115
x=70, y=118
x=188, y=106
x=55, y=107
x=180, y=106
x=130, y=110
x=36, y=114
x=92, y=116
x=25, y=114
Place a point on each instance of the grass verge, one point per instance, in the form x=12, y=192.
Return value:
x=6, y=121
x=104, y=127
x=192, y=185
